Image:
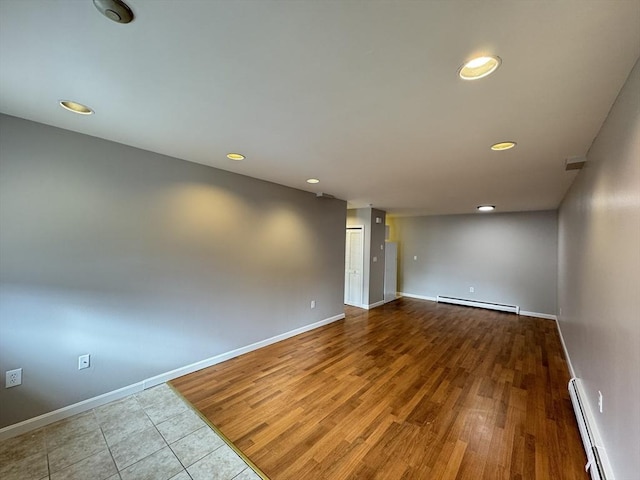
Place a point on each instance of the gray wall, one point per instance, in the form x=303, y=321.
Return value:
x=599, y=278
x=376, y=281
x=507, y=257
x=146, y=262
x=373, y=289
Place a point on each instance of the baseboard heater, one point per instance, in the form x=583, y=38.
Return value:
x=594, y=462
x=475, y=303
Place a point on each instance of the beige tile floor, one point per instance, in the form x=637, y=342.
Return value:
x=152, y=435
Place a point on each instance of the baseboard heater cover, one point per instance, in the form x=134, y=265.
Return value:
x=594, y=465
x=475, y=303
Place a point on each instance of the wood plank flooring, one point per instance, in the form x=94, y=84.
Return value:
x=409, y=390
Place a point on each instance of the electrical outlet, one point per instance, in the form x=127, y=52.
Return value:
x=84, y=361
x=13, y=378
x=313, y=304
x=472, y=290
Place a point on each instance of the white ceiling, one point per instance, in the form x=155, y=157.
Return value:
x=362, y=95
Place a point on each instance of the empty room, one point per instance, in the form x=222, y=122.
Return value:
x=319, y=240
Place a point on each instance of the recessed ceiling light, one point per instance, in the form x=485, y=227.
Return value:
x=75, y=107
x=479, y=67
x=235, y=156
x=313, y=180
x=503, y=146
x=115, y=10
x=486, y=208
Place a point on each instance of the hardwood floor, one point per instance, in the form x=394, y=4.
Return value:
x=409, y=390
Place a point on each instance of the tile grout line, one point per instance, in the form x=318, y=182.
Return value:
x=224, y=438
x=118, y=470
x=185, y=467
x=59, y=447
x=176, y=455
x=49, y=445
x=240, y=473
x=46, y=451
x=166, y=444
x=95, y=416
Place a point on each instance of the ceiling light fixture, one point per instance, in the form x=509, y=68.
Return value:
x=115, y=10
x=479, y=67
x=498, y=147
x=486, y=208
x=75, y=107
x=313, y=180
x=235, y=156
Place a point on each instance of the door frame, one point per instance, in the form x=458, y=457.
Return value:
x=362, y=230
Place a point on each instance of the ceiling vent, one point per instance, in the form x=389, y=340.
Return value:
x=115, y=10
x=574, y=163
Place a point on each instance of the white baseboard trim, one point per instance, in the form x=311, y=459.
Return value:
x=90, y=403
x=566, y=352
x=364, y=306
x=68, y=411
x=374, y=305
x=538, y=315
x=419, y=297
x=357, y=305
x=209, y=362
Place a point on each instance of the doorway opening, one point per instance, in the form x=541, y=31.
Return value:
x=354, y=266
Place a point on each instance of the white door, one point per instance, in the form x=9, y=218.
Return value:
x=354, y=266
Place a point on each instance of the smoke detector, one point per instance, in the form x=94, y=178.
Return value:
x=115, y=10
